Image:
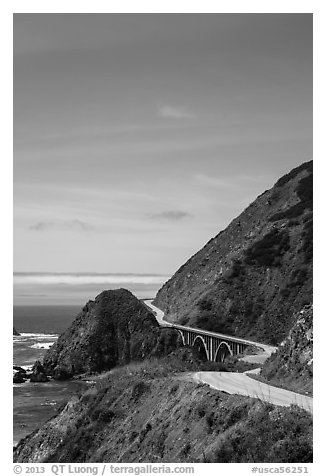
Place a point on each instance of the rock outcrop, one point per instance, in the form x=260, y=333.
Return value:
x=292, y=364
x=19, y=377
x=254, y=275
x=112, y=330
x=38, y=373
x=16, y=333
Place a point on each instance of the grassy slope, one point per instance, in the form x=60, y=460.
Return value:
x=152, y=412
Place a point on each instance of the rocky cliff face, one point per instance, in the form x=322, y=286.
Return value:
x=256, y=273
x=292, y=365
x=114, y=329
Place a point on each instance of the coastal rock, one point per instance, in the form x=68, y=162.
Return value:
x=37, y=367
x=41, y=377
x=253, y=276
x=38, y=373
x=19, y=369
x=15, y=332
x=19, y=377
x=112, y=330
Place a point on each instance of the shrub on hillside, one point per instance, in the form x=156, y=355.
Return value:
x=297, y=280
x=169, y=340
x=104, y=415
x=269, y=250
x=205, y=304
x=307, y=237
x=139, y=389
x=265, y=434
x=237, y=268
x=236, y=271
x=304, y=191
x=211, y=321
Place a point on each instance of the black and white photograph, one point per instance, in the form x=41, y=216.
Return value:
x=162, y=239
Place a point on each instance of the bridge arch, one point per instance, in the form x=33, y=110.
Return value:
x=182, y=337
x=201, y=347
x=223, y=351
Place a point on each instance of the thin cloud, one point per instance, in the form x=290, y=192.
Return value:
x=212, y=181
x=77, y=225
x=41, y=226
x=82, y=225
x=175, y=112
x=172, y=215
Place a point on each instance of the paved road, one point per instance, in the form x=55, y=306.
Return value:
x=263, y=352
x=240, y=383
x=158, y=313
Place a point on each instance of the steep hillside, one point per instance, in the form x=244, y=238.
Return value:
x=150, y=412
x=291, y=365
x=256, y=273
x=112, y=330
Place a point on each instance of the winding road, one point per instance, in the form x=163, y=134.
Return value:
x=241, y=383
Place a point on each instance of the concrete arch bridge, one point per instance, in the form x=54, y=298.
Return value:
x=215, y=347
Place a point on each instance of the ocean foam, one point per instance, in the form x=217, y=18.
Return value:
x=42, y=345
x=26, y=367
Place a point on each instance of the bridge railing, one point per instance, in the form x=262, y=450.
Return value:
x=214, y=334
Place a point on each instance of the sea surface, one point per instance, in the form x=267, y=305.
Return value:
x=34, y=403
x=44, y=319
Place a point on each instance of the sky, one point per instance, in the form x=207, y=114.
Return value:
x=138, y=137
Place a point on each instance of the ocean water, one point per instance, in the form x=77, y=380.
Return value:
x=34, y=403
x=44, y=319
